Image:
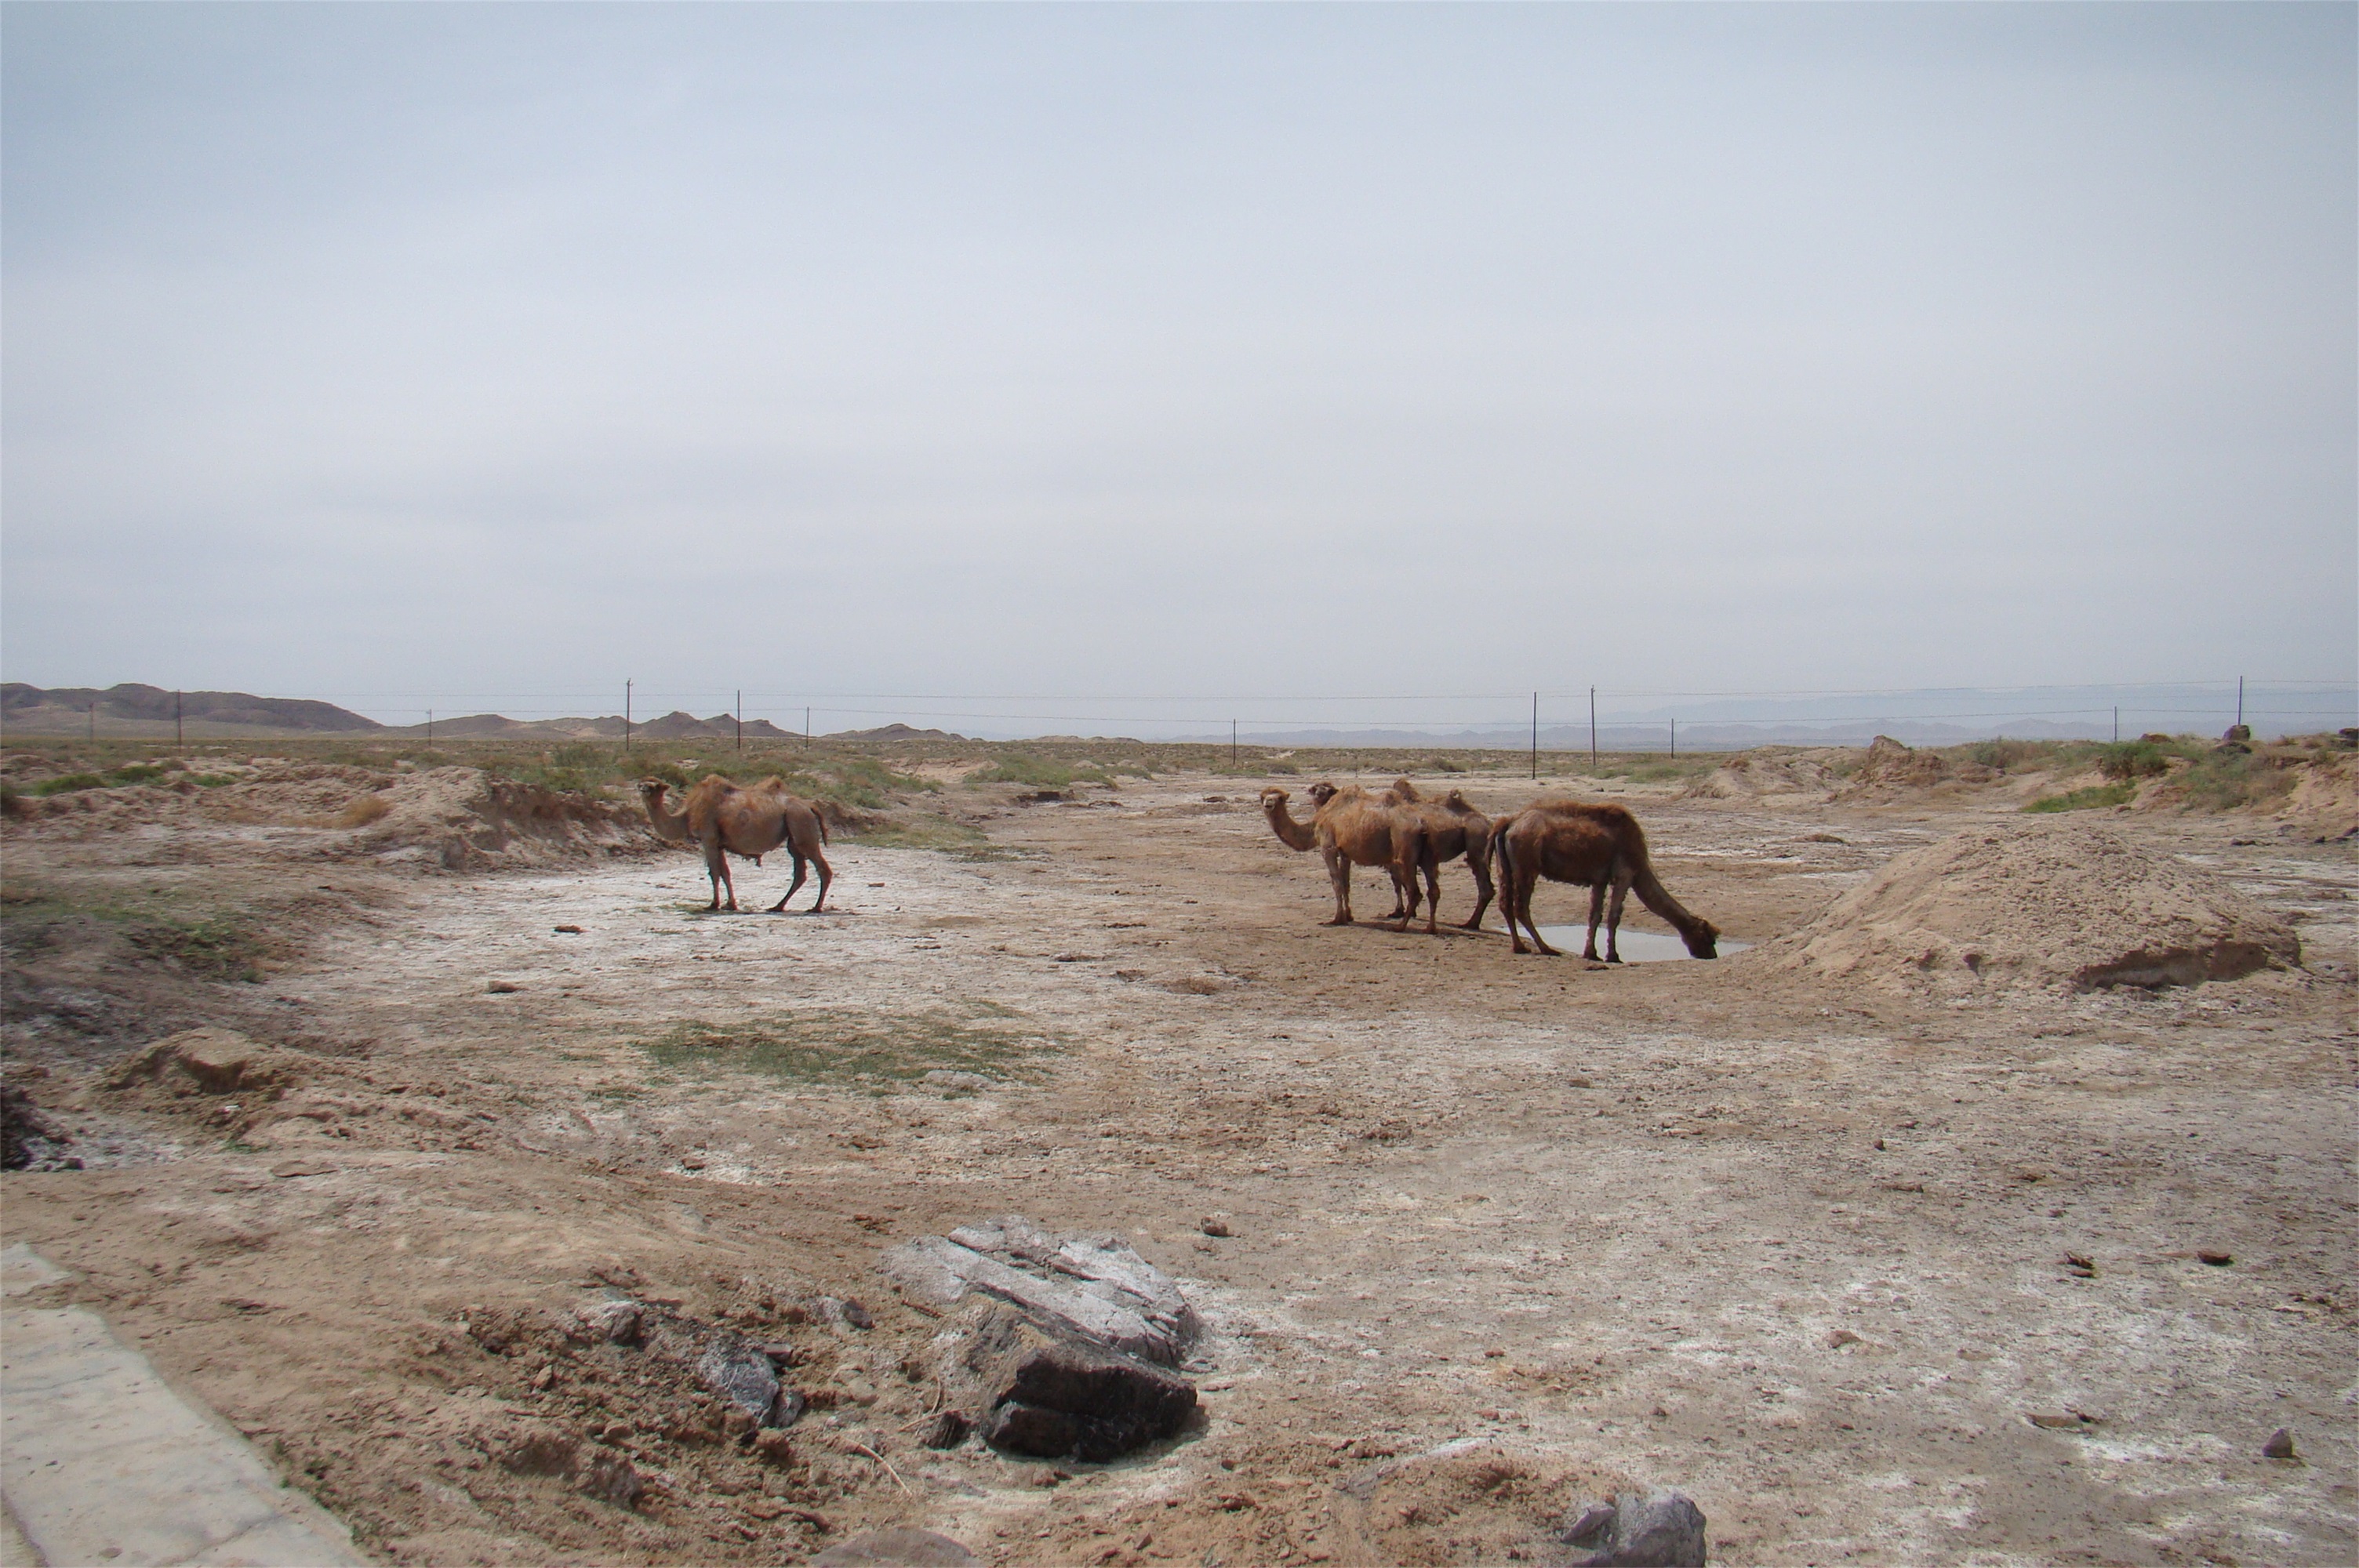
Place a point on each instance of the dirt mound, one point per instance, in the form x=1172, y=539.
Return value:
x=2039, y=904
x=2326, y=796
x=1892, y=770
x=1770, y=778
x=454, y=817
x=466, y=819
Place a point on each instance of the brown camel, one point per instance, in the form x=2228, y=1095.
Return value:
x=1353, y=827
x=1596, y=846
x=1453, y=828
x=723, y=819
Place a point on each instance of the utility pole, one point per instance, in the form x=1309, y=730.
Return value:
x=1535, y=735
x=93, y=723
x=1675, y=736
x=176, y=719
x=2240, y=700
x=805, y=728
x=1232, y=742
x=741, y=719
x=2117, y=724
x=1592, y=729
x=626, y=716
x=430, y=729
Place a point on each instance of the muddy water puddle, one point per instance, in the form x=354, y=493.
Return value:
x=1635, y=946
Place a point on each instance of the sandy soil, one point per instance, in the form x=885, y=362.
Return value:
x=1796, y=1248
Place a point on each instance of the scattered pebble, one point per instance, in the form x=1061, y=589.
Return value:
x=567, y=930
x=2280, y=1445
x=503, y=988
x=2217, y=1259
x=1214, y=1225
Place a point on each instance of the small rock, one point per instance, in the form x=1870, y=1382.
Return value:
x=775, y=1447
x=1214, y=1225
x=2054, y=1421
x=2280, y=1445
x=1661, y=1529
x=617, y=1322
x=1585, y=1524
x=788, y=1409
x=846, y=1312
x=610, y=1478
x=2076, y=1264
x=739, y=1373
x=567, y=930
x=503, y=988
x=902, y=1548
x=302, y=1168
x=2217, y=1259
x=1843, y=1337
x=948, y=1431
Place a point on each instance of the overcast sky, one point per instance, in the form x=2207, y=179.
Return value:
x=390, y=354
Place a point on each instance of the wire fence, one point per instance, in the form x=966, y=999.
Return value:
x=1554, y=718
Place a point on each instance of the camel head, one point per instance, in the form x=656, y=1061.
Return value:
x=1274, y=799
x=1703, y=941
x=669, y=824
x=1321, y=793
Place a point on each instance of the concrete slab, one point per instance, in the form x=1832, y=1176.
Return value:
x=102, y=1462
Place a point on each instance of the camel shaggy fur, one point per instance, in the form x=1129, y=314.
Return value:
x=1351, y=826
x=1453, y=828
x=723, y=819
x=1590, y=845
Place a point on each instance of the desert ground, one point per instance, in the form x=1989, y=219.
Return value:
x=1872, y=1270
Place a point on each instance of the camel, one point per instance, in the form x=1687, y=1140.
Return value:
x=1453, y=828
x=1597, y=846
x=1353, y=827
x=724, y=819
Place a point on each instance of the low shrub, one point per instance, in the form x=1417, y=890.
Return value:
x=2124, y=760
x=65, y=784
x=2087, y=799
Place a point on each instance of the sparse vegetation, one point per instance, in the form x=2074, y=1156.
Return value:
x=877, y=1050
x=1023, y=768
x=2124, y=760
x=2087, y=799
x=2224, y=780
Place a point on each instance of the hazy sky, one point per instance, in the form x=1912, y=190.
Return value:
x=378, y=352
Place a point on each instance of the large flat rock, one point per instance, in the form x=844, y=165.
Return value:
x=103, y=1463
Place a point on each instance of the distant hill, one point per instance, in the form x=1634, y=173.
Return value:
x=146, y=711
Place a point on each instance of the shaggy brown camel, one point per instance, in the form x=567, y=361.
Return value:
x=1596, y=846
x=1453, y=828
x=1353, y=827
x=723, y=819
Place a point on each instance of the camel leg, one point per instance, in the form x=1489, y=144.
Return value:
x=1339, y=873
x=1432, y=898
x=1614, y=921
x=1527, y=880
x=716, y=866
x=826, y=875
x=1480, y=864
x=793, y=887
x=1596, y=912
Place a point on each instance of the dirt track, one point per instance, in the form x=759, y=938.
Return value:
x=1798, y=1251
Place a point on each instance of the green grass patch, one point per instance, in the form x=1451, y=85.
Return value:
x=878, y=1052
x=2088, y=799
x=958, y=840
x=210, y=943
x=2223, y=781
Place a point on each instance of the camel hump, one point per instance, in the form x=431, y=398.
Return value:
x=1405, y=790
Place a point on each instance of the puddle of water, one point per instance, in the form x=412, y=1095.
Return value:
x=1635, y=946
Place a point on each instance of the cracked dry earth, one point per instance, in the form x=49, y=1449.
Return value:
x=1798, y=1252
